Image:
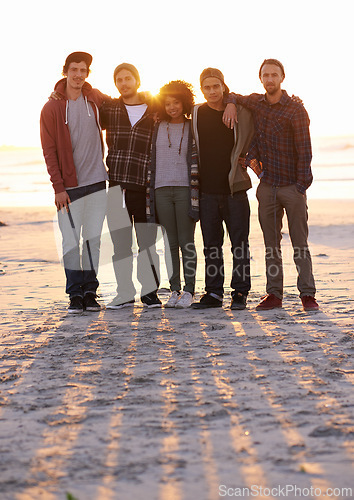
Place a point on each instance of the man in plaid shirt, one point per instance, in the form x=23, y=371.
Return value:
x=281, y=156
x=129, y=124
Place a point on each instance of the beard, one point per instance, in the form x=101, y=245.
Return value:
x=273, y=89
x=128, y=92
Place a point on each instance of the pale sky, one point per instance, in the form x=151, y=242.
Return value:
x=177, y=40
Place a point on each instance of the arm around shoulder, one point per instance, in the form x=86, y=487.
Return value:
x=101, y=98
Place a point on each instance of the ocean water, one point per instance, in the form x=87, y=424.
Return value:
x=24, y=180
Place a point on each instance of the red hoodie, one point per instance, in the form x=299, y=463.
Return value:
x=55, y=135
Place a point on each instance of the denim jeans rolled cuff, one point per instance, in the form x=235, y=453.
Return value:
x=78, y=282
x=234, y=210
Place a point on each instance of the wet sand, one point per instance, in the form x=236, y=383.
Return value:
x=170, y=404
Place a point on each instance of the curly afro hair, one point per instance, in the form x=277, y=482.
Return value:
x=180, y=90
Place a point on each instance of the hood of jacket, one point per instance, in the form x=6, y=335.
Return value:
x=55, y=135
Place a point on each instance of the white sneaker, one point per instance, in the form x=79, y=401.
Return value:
x=172, y=301
x=185, y=300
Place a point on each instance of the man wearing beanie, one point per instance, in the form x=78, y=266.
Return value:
x=129, y=123
x=73, y=151
x=223, y=187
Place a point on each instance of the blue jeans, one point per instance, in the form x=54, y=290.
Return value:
x=87, y=211
x=235, y=212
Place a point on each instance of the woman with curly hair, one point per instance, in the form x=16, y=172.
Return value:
x=173, y=188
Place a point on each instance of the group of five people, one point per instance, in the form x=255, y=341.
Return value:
x=171, y=162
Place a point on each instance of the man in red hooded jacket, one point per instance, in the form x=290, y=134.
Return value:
x=73, y=151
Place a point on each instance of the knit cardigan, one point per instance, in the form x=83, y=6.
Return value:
x=193, y=176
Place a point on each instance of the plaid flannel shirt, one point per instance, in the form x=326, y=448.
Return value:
x=282, y=143
x=128, y=147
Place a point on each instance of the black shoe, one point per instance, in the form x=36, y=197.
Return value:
x=151, y=300
x=238, y=300
x=90, y=302
x=76, y=305
x=206, y=302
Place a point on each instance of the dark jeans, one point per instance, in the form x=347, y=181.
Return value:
x=235, y=212
x=121, y=222
x=87, y=211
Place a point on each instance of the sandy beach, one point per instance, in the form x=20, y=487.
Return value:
x=176, y=405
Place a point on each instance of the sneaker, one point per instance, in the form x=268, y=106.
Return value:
x=207, y=302
x=309, y=303
x=185, y=300
x=90, y=302
x=118, y=303
x=268, y=302
x=172, y=301
x=76, y=305
x=238, y=300
x=151, y=300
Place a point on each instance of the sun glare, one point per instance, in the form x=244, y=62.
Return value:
x=165, y=47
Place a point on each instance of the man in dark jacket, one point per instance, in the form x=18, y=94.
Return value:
x=72, y=147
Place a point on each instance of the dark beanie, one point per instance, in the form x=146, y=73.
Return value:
x=128, y=67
